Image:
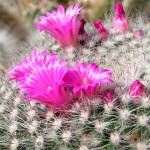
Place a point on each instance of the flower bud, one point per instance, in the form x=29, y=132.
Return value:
x=137, y=89
x=108, y=96
x=120, y=22
x=102, y=31
x=138, y=34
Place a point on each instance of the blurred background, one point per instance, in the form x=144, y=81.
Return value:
x=17, y=18
x=29, y=10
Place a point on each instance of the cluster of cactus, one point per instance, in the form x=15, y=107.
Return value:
x=112, y=121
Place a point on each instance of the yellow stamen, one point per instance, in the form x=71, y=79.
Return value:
x=85, y=81
x=49, y=88
x=32, y=71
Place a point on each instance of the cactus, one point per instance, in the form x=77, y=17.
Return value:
x=116, y=124
x=117, y=118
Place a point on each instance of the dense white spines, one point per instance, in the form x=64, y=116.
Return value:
x=32, y=103
x=115, y=138
x=141, y=146
x=100, y=126
x=13, y=127
x=108, y=107
x=66, y=135
x=14, y=113
x=145, y=101
x=125, y=98
x=16, y=101
x=32, y=126
x=49, y=115
x=42, y=127
x=2, y=108
x=124, y=114
x=14, y=144
x=82, y=147
x=84, y=115
x=56, y=124
x=39, y=142
x=31, y=113
x=51, y=134
x=2, y=89
x=7, y=95
x=143, y=120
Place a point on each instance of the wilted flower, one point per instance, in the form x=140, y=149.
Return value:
x=86, y=79
x=120, y=22
x=108, y=96
x=43, y=80
x=137, y=89
x=63, y=26
x=82, y=34
x=138, y=34
x=102, y=31
x=81, y=27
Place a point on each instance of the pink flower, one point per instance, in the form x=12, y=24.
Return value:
x=43, y=80
x=137, y=89
x=85, y=80
x=108, y=96
x=27, y=66
x=63, y=26
x=120, y=22
x=139, y=34
x=102, y=31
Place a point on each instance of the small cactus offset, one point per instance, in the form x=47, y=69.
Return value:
x=74, y=104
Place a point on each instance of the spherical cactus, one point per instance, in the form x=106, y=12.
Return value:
x=77, y=105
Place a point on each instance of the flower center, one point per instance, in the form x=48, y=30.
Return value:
x=49, y=88
x=32, y=72
x=85, y=81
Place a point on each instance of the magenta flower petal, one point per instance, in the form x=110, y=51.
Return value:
x=76, y=90
x=85, y=79
x=72, y=77
x=63, y=26
x=82, y=69
x=27, y=66
x=120, y=22
x=42, y=80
